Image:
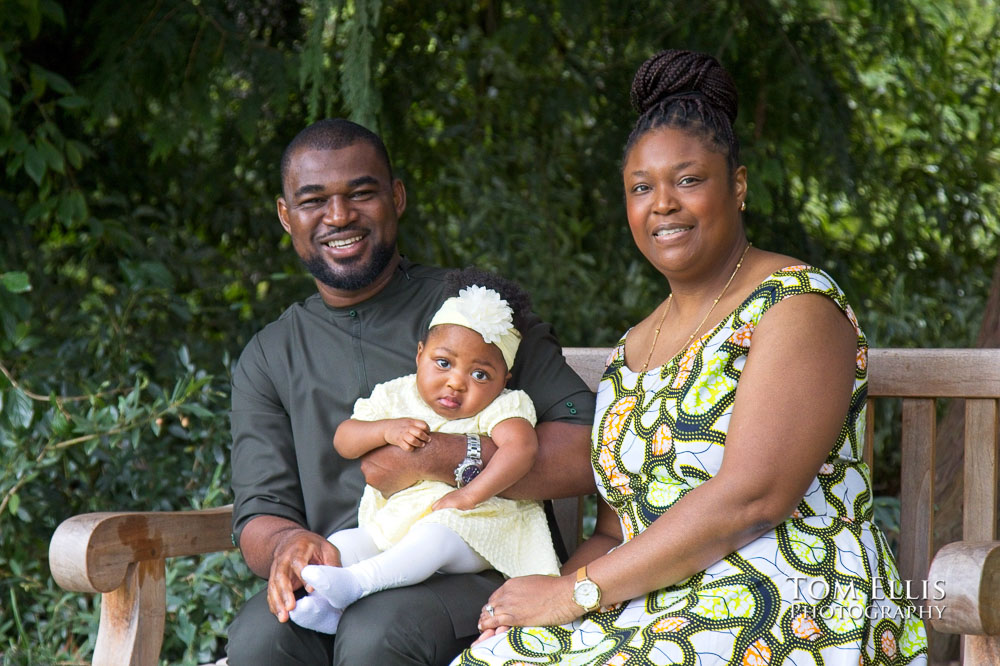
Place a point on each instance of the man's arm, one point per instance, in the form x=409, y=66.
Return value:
x=277, y=548
x=561, y=469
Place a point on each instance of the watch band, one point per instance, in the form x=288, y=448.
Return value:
x=473, y=447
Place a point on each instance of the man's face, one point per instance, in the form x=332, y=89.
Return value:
x=342, y=208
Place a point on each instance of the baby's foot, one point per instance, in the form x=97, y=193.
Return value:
x=316, y=613
x=337, y=585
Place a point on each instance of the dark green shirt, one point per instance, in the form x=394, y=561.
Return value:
x=299, y=377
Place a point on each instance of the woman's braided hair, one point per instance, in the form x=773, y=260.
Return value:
x=686, y=90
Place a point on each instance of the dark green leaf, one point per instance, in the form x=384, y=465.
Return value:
x=20, y=409
x=34, y=164
x=73, y=102
x=15, y=281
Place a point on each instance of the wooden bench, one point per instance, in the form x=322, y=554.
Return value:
x=123, y=555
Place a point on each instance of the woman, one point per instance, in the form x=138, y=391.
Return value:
x=727, y=442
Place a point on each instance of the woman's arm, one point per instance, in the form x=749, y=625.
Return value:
x=355, y=438
x=607, y=535
x=790, y=405
x=517, y=445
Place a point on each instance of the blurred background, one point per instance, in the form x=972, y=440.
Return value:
x=140, y=249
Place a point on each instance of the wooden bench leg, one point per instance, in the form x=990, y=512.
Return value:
x=980, y=650
x=132, y=618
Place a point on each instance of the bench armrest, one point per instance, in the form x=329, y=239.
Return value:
x=968, y=575
x=91, y=552
x=123, y=556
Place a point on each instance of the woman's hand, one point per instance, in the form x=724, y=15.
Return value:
x=529, y=601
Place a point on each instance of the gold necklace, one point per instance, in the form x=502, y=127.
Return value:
x=670, y=298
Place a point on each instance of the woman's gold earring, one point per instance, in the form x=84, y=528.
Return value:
x=743, y=205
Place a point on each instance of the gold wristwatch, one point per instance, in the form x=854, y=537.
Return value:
x=586, y=593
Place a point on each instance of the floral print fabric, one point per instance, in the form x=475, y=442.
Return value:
x=821, y=588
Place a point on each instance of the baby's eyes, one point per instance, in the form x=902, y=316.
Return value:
x=442, y=363
x=480, y=375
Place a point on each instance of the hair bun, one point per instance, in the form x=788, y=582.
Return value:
x=672, y=73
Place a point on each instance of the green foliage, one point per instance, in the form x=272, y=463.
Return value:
x=140, y=141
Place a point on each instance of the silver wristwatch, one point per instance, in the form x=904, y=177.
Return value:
x=469, y=468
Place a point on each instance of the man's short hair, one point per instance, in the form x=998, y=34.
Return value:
x=333, y=134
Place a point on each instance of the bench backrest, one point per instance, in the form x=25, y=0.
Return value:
x=919, y=377
x=122, y=555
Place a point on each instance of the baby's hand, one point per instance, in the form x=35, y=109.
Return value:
x=407, y=434
x=456, y=499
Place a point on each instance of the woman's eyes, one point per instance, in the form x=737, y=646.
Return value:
x=642, y=188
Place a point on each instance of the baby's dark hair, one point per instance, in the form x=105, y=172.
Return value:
x=686, y=90
x=516, y=297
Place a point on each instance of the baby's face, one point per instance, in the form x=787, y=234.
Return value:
x=458, y=373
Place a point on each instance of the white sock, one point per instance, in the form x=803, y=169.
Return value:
x=426, y=549
x=314, y=612
x=338, y=585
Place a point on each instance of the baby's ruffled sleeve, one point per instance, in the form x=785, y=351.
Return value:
x=510, y=404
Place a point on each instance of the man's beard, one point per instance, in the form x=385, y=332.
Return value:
x=355, y=276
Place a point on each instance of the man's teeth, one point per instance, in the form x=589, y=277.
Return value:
x=343, y=242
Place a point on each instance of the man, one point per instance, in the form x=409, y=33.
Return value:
x=298, y=379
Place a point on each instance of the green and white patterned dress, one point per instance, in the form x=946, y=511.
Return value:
x=821, y=588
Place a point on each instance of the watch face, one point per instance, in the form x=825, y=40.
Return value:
x=469, y=472
x=587, y=594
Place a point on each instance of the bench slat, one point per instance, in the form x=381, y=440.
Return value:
x=588, y=362
x=868, y=455
x=930, y=373
x=980, y=519
x=916, y=513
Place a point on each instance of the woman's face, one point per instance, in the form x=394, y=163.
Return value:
x=682, y=204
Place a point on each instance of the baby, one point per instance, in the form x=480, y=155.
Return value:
x=463, y=364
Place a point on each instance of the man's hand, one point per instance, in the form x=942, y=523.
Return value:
x=390, y=469
x=295, y=549
x=407, y=434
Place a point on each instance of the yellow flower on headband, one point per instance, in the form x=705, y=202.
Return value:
x=487, y=313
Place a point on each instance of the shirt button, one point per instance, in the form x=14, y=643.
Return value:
x=353, y=313
x=572, y=411
x=569, y=404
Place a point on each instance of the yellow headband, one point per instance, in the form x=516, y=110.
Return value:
x=483, y=311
